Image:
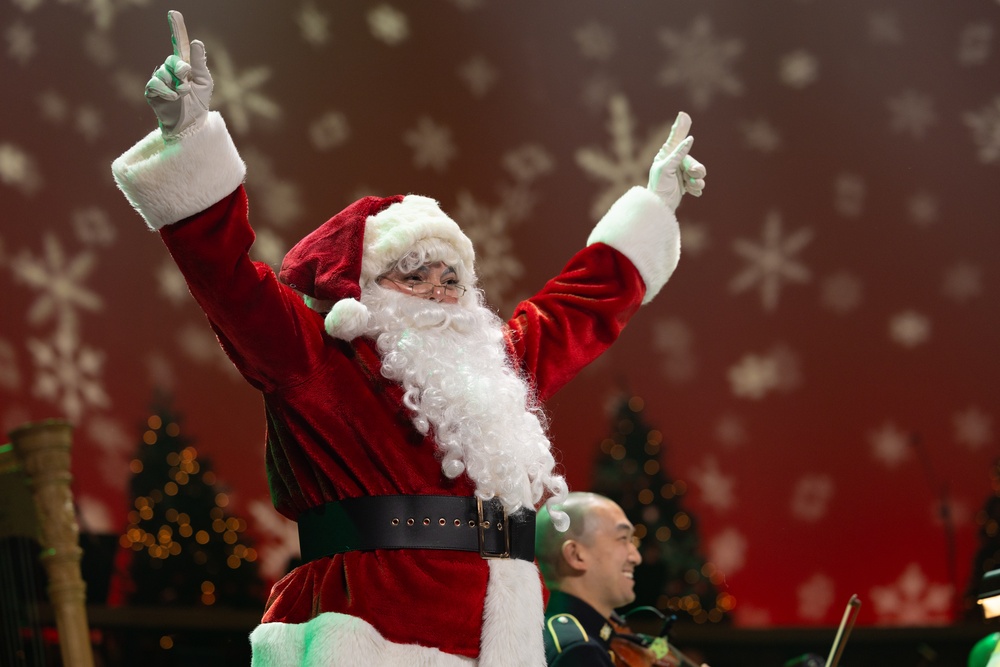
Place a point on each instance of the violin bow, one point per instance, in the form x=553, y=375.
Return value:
x=846, y=624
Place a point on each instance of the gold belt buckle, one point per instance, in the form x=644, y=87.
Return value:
x=484, y=525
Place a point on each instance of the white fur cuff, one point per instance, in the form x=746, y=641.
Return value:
x=641, y=227
x=167, y=182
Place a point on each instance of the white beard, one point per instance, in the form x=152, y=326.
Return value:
x=458, y=381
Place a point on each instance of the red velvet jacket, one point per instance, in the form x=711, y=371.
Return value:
x=337, y=429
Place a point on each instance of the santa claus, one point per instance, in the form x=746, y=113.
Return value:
x=404, y=429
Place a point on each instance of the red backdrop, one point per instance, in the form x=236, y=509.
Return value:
x=823, y=365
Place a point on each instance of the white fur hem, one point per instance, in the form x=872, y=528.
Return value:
x=513, y=616
x=641, y=227
x=167, y=182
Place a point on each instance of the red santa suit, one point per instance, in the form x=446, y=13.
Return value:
x=337, y=429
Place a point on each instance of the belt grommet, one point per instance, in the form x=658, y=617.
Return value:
x=409, y=522
x=458, y=522
x=441, y=521
x=499, y=525
x=486, y=524
x=427, y=521
x=472, y=524
x=395, y=522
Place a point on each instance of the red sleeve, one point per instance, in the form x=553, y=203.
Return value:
x=575, y=317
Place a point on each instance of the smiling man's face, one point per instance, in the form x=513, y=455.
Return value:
x=611, y=557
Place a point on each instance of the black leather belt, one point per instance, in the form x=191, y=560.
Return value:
x=417, y=522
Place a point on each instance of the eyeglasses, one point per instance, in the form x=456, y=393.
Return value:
x=421, y=288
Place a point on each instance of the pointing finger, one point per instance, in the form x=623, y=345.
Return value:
x=179, y=35
x=680, y=129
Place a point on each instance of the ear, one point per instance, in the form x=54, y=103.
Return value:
x=575, y=555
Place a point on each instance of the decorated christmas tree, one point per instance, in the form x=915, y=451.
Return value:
x=188, y=550
x=673, y=577
x=988, y=556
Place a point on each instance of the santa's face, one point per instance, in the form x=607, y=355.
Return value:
x=436, y=281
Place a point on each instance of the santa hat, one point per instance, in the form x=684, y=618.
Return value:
x=332, y=264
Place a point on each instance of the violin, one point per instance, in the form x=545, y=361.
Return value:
x=634, y=649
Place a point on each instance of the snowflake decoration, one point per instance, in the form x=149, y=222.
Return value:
x=890, y=445
x=19, y=170
x=93, y=226
x=171, y=283
x=88, y=122
x=431, y=143
x=488, y=229
x=973, y=428
x=627, y=164
x=329, y=131
x=811, y=497
x=10, y=375
x=160, y=371
x=716, y=487
x=963, y=282
x=673, y=339
x=314, y=25
x=115, y=445
x=268, y=248
x=53, y=106
x=60, y=282
x=798, y=69
x=727, y=550
x=753, y=377
x=985, y=127
x=760, y=135
x=68, y=374
x=909, y=328
x=772, y=262
x=911, y=112
x=528, y=162
x=695, y=238
x=700, y=62
x=388, y=25
x=125, y=84
x=283, y=546
x=237, y=94
x=21, y=46
x=479, y=75
x=883, y=28
x=516, y=201
x=278, y=201
x=595, y=41
x=842, y=292
x=816, y=596
x=27, y=6
x=99, y=48
x=786, y=363
x=975, y=44
x=200, y=344
x=849, y=195
x=912, y=600
x=105, y=11
x=730, y=431
x=598, y=89
x=923, y=209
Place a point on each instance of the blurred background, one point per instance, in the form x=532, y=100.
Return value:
x=814, y=393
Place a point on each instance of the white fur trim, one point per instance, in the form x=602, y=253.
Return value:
x=513, y=616
x=641, y=227
x=338, y=640
x=167, y=182
x=392, y=232
x=347, y=320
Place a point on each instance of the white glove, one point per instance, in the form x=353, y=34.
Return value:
x=674, y=172
x=181, y=87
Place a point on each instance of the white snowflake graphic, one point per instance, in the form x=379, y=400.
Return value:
x=842, y=292
x=528, y=163
x=10, y=374
x=19, y=170
x=760, y=135
x=973, y=428
x=909, y=328
x=700, y=62
x=99, y=48
x=963, y=282
x=67, y=373
x=975, y=43
x=695, y=238
x=53, y=106
x=849, y=195
x=277, y=200
x=21, y=47
x=171, y=283
x=597, y=90
x=388, y=25
x=672, y=338
x=772, y=262
x=199, y=343
x=105, y=11
x=985, y=126
x=883, y=28
x=329, y=131
x=811, y=497
x=727, y=550
x=283, y=543
x=27, y=6
x=88, y=122
x=911, y=112
x=93, y=226
x=59, y=281
x=627, y=163
x=798, y=69
x=268, y=248
x=595, y=41
x=479, y=75
x=489, y=230
x=753, y=377
x=236, y=94
x=913, y=600
x=923, y=209
x=730, y=430
x=431, y=143
x=816, y=596
x=314, y=25
x=716, y=487
x=890, y=445
x=116, y=447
